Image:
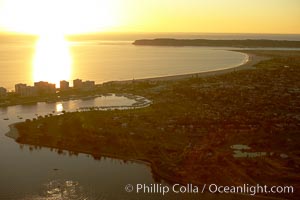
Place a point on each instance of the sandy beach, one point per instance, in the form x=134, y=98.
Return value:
x=251, y=60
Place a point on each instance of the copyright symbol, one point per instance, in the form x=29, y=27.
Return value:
x=129, y=188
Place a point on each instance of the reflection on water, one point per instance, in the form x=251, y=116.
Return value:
x=36, y=173
x=59, y=107
x=61, y=189
x=43, y=108
x=101, y=63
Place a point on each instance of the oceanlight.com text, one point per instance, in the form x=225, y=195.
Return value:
x=210, y=188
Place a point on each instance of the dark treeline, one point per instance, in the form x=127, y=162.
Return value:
x=219, y=43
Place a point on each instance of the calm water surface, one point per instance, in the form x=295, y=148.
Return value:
x=106, y=61
x=39, y=173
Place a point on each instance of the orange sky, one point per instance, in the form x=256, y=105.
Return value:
x=81, y=16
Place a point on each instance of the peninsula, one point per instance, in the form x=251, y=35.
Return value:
x=219, y=43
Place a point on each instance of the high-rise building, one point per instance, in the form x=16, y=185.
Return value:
x=43, y=88
x=19, y=88
x=77, y=83
x=24, y=90
x=3, y=92
x=64, y=85
x=88, y=85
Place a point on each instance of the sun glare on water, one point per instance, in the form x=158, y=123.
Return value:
x=52, y=20
x=52, y=59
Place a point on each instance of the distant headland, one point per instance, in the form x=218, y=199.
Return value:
x=219, y=43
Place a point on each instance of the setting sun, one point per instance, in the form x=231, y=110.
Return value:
x=52, y=20
x=52, y=60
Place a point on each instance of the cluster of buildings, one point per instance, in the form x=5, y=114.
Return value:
x=45, y=88
x=85, y=85
x=77, y=84
x=39, y=88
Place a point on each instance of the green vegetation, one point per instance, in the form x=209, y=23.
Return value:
x=187, y=133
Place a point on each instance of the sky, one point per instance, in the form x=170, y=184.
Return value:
x=209, y=16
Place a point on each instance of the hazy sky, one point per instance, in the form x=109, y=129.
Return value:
x=225, y=16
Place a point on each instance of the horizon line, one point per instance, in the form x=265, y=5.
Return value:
x=148, y=32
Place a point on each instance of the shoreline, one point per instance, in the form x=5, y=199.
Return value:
x=13, y=132
x=251, y=60
x=201, y=42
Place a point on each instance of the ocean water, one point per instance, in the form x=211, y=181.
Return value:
x=108, y=57
x=107, y=60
